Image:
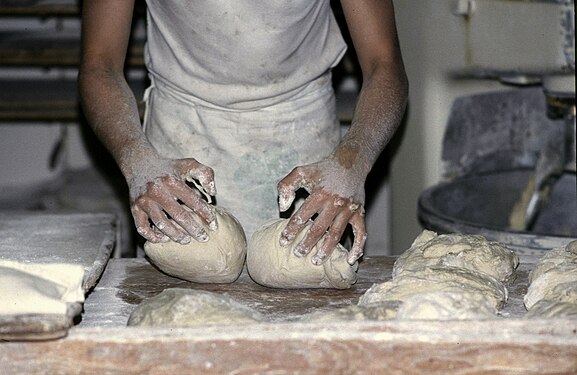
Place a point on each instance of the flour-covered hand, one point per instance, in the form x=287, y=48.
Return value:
x=336, y=196
x=160, y=199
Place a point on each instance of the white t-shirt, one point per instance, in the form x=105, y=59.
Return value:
x=241, y=54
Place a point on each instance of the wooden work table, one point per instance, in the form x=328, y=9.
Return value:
x=101, y=343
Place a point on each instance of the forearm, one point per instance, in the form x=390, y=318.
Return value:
x=112, y=112
x=378, y=113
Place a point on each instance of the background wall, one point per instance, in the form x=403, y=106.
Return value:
x=433, y=46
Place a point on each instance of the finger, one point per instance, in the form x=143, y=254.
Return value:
x=191, y=170
x=143, y=226
x=287, y=188
x=164, y=225
x=316, y=231
x=332, y=238
x=186, y=220
x=357, y=221
x=300, y=218
x=192, y=200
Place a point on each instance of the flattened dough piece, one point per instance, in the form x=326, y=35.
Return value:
x=463, y=251
x=446, y=305
x=272, y=265
x=449, y=280
x=220, y=260
x=30, y=288
x=378, y=311
x=178, y=307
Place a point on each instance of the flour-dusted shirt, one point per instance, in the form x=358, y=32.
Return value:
x=241, y=54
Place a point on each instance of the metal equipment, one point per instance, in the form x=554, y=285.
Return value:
x=506, y=153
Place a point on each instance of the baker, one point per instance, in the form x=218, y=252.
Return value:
x=241, y=98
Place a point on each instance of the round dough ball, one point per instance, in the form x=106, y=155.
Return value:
x=275, y=266
x=219, y=260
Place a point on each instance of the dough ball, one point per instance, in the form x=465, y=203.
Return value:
x=272, y=265
x=220, y=260
x=179, y=307
x=463, y=251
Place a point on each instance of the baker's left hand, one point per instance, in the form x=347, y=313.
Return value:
x=336, y=196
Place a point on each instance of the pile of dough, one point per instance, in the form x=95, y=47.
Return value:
x=553, y=284
x=178, y=307
x=445, y=277
x=32, y=288
x=378, y=311
x=219, y=260
x=273, y=265
x=469, y=252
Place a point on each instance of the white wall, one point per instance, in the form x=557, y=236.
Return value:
x=432, y=44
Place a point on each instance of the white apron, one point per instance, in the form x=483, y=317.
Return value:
x=251, y=111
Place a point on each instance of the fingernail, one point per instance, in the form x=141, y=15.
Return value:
x=352, y=259
x=300, y=250
x=317, y=260
x=213, y=225
x=202, y=237
x=283, y=241
x=185, y=240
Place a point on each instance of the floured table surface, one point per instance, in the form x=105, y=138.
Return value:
x=102, y=343
x=127, y=282
x=36, y=237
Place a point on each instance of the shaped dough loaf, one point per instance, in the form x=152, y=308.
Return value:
x=220, y=260
x=273, y=265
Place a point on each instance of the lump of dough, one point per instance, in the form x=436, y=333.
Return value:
x=555, y=284
x=463, y=251
x=553, y=309
x=219, y=260
x=446, y=305
x=275, y=266
x=554, y=277
x=565, y=257
x=178, y=307
x=428, y=280
x=378, y=311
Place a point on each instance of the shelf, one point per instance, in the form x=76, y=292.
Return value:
x=47, y=100
x=52, y=49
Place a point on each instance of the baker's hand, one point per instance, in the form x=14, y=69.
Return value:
x=337, y=195
x=159, y=194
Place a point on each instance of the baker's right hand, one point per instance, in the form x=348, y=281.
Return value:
x=159, y=194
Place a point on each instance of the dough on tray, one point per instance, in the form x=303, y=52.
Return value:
x=220, y=260
x=32, y=288
x=273, y=265
x=472, y=252
x=178, y=307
